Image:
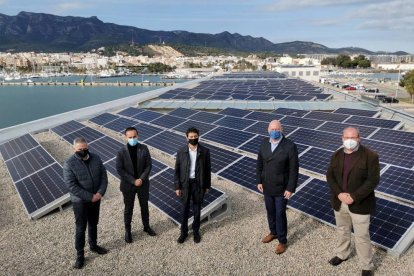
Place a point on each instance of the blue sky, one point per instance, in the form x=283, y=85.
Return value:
x=375, y=25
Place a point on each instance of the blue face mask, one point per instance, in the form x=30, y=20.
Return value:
x=275, y=134
x=133, y=142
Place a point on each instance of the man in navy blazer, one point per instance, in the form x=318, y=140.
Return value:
x=133, y=164
x=277, y=177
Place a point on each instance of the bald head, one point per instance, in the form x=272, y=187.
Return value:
x=350, y=133
x=275, y=125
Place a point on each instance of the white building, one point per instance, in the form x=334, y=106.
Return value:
x=309, y=73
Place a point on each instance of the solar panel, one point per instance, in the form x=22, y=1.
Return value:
x=168, y=121
x=42, y=188
x=119, y=125
x=326, y=116
x=235, y=112
x=253, y=145
x=106, y=148
x=394, y=136
x=333, y=127
x=264, y=116
x=258, y=128
x=366, y=121
x=157, y=167
x=392, y=153
x=234, y=122
x=316, y=160
x=17, y=146
x=110, y=166
x=146, y=131
x=221, y=158
x=301, y=122
x=291, y=112
x=299, y=98
x=183, y=112
x=206, y=117
x=167, y=142
x=301, y=148
x=259, y=98
x=67, y=128
x=315, y=138
x=398, y=183
x=227, y=136
x=31, y=161
x=130, y=111
x=88, y=133
x=103, y=118
x=359, y=112
x=147, y=116
x=202, y=127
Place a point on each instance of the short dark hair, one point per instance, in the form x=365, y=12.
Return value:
x=192, y=129
x=129, y=129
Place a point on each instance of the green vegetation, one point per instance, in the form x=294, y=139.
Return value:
x=345, y=61
x=244, y=65
x=159, y=68
x=408, y=83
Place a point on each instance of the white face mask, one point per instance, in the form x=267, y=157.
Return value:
x=350, y=144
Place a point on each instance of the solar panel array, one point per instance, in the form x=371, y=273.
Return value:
x=37, y=176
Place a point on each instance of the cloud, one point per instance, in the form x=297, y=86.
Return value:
x=326, y=22
x=70, y=6
x=2, y=2
x=282, y=5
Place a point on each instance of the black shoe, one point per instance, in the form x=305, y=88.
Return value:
x=128, y=237
x=182, y=238
x=150, y=231
x=80, y=262
x=98, y=249
x=336, y=261
x=197, y=237
x=367, y=273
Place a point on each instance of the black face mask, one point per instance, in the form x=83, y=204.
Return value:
x=193, y=141
x=82, y=153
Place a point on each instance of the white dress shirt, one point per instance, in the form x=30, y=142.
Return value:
x=193, y=157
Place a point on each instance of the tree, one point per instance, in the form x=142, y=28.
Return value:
x=408, y=83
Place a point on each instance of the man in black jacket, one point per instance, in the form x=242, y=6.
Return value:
x=192, y=180
x=277, y=177
x=85, y=176
x=133, y=164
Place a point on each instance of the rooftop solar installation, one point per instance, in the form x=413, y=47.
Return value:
x=120, y=124
x=253, y=145
x=110, y=167
x=105, y=147
x=235, y=112
x=86, y=132
x=147, y=116
x=394, y=136
x=359, y=112
x=167, y=142
x=17, y=146
x=397, y=182
x=234, y=122
x=392, y=153
x=202, y=127
x=146, y=131
x=221, y=158
x=206, y=117
x=291, y=112
x=364, y=131
x=315, y=138
x=130, y=111
x=258, y=128
x=227, y=136
x=326, y=116
x=157, y=167
x=366, y=121
x=183, y=112
x=263, y=116
x=316, y=160
x=301, y=122
x=67, y=128
x=103, y=118
x=168, y=121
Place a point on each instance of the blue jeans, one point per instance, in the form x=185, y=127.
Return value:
x=276, y=216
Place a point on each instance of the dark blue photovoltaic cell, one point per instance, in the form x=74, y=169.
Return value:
x=259, y=98
x=147, y=116
x=157, y=166
x=202, y=127
x=253, y=145
x=206, y=117
x=67, y=128
x=130, y=111
x=264, y=116
x=103, y=118
x=391, y=153
x=227, y=136
x=258, y=128
x=235, y=112
x=106, y=148
x=316, y=160
x=301, y=122
x=119, y=125
x=146, y=131
x=42, y=188
x=291, y=112
x=333, y=127
x=315, y=138
x=301, y=148
x=111, y=167
x=168, y=121
x=234, y=122
x=299, y=98
x=167, y=142
x=397, y=182
x=359, y=112
x=17, y=146
x=28, y=163
x=394, y=136
x=326, y=116
x=183, y=112
x=88, y=133
x=221, y=158
x=374, y=122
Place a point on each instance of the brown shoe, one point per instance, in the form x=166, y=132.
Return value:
x=268, y=238
x=280, y=248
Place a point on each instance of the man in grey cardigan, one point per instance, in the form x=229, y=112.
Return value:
x=85, y=176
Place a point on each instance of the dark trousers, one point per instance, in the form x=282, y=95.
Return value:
x=129, y=201
x=86, y=214
x=276, y=216
x=192, y=193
